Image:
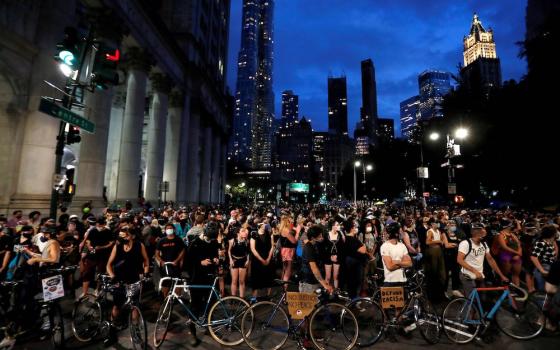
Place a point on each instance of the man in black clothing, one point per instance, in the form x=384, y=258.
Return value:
x=312, y=265
x=98, y=244
x=169, y=255
x=6, y=246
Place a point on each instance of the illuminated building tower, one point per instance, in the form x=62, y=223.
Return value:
x=290, y=107
x=409, y=116
x=481, y=72
x=369, y=100
x=433, y=86
x=250, y=144
x=338, y=109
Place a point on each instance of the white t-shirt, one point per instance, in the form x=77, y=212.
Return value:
x=476, y=257
x=395, y=252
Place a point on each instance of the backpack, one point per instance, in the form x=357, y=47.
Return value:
x=469, y=242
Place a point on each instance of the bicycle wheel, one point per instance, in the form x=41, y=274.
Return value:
x=461, y=321
x=427, y=320
x=137, y=327
x=87, y=318
x=523, y=321
x=56, y=326
x=224, y=320
x=333, y=326
x=370, y=319
x=162, y=321
x=265, y=326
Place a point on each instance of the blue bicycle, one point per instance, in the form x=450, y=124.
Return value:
x=222, y=318
x=515, y=315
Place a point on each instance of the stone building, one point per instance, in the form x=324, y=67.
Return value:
x=173, y=95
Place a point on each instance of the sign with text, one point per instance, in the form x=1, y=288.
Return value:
x=301, y=305
x=49, y=107
x=299, y=187
x=452, y=188
x=53, y=288
x=392, y=297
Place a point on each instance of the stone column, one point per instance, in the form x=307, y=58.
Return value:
x=93, y=149
x=133, y=122
x=156, y=136
x=114, y=144
x=216, y=173
x=173, y=143
x=184, y=167
x=38, y=142
x=193, y=159
x=207, y=143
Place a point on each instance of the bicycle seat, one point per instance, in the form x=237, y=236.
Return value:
x=282, y=282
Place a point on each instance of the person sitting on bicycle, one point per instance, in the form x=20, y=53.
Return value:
x=471, y=256
x=127, y=262
x=170, y=249
x=395, y=257
x=50, y=256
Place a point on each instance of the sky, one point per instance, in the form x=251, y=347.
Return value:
x=317, y=38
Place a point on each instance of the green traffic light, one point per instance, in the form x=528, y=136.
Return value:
x=67, y=57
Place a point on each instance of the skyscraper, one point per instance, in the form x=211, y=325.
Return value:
x=369, y=102
x=290, y=107
x=433, y=86
x=386, y=130
x=338, y=109
x=409, y=116
x=482, y=71
x=250, y=144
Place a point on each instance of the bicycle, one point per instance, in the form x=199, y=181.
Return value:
x=89, y=317
x=221, y=318
x=520, y=318
x=331, y=325
x=47, y=318
x=375, y=321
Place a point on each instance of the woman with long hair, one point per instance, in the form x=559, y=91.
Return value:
x=333, y=246
x=289, y=236
x=239, y=261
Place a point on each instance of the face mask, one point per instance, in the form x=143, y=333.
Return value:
x=122, y=240
x=369, y=229
x=453, y=228
x=43, y=239
x=27, y=235
x=169, y=231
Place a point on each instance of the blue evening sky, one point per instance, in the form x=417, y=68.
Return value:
x=315, y=38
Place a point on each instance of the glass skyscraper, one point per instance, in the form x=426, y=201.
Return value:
x=250, y=144
x=433, y=85
x=338, y=109
x=409, y=116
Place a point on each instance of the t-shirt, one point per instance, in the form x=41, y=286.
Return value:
x=100, y=238
x=311, y=253
x=553, y=276
x=395, y=252
x=544, y=251
x=6, y=243
x=170, y=248
x=475, y=258
x=351, y=246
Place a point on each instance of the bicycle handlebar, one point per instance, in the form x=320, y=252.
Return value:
x=523, y=291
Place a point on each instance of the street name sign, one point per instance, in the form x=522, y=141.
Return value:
x=49, y=107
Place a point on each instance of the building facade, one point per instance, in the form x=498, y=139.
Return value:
x=295, y=153
x=337, y=108
x=250, y=145
x=290, y=107
x=482, y=71
x=409, y=110
x=386, y=130
x=368, y=112
x=433, y=86
x=174, y=63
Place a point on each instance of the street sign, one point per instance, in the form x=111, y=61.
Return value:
x=452, y=188
x=422, y=172
x=49, y=107
x=164, y=186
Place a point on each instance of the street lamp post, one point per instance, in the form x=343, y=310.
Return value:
x=368, y=167
x=452, y=150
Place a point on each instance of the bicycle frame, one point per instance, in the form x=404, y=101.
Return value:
x=474, y=301
x=213, y=292
x=292, y=327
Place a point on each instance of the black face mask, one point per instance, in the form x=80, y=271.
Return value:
x=27, y=235
x=122, y=240
x=43, y=239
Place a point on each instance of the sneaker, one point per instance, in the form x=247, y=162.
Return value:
x=457, y=293
x=193, y=340
x=7, y=343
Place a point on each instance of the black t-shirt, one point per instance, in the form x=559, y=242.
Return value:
x=351, y=246
x=100, y=238
x=200, y=250
x=311, y=253
x=170, y=248
x=554, y=274
x=6, y=245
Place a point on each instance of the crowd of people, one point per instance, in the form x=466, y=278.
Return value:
x=317, y=245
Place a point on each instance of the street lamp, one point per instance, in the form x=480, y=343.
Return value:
x=357, y=164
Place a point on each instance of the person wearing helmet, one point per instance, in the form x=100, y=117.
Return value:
x=395, y=256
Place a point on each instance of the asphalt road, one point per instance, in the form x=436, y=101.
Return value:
x=177, y=339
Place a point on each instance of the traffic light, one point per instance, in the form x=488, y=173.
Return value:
x=73, y=135
x=68, y=51
x=105, y=67
x=69, y=189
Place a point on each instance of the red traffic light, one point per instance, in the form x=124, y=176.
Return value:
x=114, y=57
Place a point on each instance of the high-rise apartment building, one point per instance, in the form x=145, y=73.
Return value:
x=409, y=116
x=290, y=107
x=338, y=109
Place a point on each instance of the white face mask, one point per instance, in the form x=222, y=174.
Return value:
x=369, y=229
x=169, y=231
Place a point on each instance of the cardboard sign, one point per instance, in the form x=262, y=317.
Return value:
x=53, y=288
x=301, y=305
x=392, y=297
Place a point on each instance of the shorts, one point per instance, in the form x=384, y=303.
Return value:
x=507, y=257
x=89, y=268
x=239, y=263
x=287, y=254
x=308, y=287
